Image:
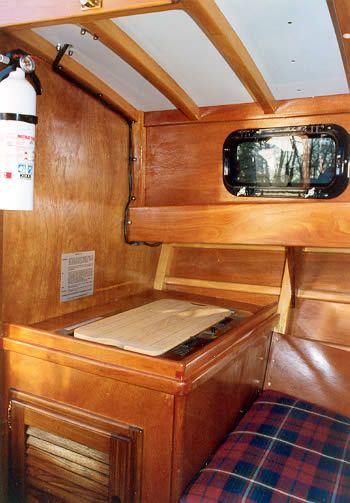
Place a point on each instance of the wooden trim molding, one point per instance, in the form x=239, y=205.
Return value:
x=30, y=14
x=295, y=224
x=285, y=109
x=120, y=43
x=223, y=285
x=47, y=51
x=163, y=264
x=229, y=246
x=308, y=249
x=324, y=295
x=139, y=152
x=214, y=24
x=285, y=299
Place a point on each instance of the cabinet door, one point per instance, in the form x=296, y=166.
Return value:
x=59, y=454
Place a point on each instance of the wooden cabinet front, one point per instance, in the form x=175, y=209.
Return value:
x=66, y=455
x=146, y=424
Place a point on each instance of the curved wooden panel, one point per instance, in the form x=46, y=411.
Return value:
x=321, y=321
x=310, y=371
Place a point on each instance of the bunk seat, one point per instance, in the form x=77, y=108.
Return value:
x=282, y=450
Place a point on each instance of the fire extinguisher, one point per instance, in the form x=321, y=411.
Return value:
x=17, y=130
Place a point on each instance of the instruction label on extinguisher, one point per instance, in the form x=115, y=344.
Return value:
x=17, y=145
x=77, y=275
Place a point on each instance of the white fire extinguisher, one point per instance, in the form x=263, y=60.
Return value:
x=17, y=130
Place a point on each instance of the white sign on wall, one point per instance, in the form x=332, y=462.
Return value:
x=77, y=275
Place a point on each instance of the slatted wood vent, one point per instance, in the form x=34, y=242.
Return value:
x=66, y=469
x=60, y=454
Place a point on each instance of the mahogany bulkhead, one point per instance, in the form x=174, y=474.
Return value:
x=88, y=422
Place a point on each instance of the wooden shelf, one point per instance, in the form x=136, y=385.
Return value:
x=304, y=223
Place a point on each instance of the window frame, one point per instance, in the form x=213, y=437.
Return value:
x=314, y=191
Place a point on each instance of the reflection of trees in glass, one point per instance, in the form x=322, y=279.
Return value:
x=322, y=155
x=286, y=161
x=252, y=166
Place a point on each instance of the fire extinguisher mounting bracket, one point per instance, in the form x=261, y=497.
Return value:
x=20, y=59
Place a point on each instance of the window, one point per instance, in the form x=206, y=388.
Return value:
x=303, y=161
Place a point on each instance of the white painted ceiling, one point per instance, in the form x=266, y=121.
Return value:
x=292, y=42
x=174, y=40
x=273, y=43
x=102, y=62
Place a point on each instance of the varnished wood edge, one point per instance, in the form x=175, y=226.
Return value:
x=180, y=384
x=317, y=106
x=69, y=12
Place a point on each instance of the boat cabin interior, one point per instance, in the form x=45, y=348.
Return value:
x=175, y=278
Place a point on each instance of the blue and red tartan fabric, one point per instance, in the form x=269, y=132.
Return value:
x=283, y=450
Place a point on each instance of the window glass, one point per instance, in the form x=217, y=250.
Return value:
x=264, y=163
x=284, y=161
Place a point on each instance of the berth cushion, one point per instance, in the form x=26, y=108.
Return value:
x=283, y=449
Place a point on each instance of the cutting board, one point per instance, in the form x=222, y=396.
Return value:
x=153, y=328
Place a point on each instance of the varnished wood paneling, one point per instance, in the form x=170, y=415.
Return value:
x=321, y=321
x=214, y=407
x=184, y=162
x=80, y=194
x=76, y=456
x=242, y=298
x=323, y=296
x=56, y=368
x=298, y=107
x=315, y=224
x=186, y=200
x=310, y=371
x=114, y=400
x=324, y=271
x=235, y=266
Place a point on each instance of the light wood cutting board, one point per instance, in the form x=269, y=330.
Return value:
x=154, y=328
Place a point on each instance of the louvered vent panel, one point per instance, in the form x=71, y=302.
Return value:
x=60, y=470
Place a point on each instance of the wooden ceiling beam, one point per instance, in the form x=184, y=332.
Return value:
x=340, y=14
x=125, y=47
x=48, y=52
x=214, y=24
x=24, y=14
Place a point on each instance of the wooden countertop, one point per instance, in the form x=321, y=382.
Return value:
x=44, y=341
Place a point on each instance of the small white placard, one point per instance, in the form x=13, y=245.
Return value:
x=77, y=275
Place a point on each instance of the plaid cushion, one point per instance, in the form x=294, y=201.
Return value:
x=282, y=450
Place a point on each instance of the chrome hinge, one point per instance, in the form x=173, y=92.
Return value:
x=9, y=415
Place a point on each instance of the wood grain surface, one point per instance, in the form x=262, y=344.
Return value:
x=80, y=194
x=184, y=163
x=310, y=371
x=229, y=265
x=315, y=224
x=286, y=109
x=154, y=328
x=71, y=455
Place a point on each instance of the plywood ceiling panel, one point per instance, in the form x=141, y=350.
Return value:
x=292, y=42
x=108, y=67
x=175, y=41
